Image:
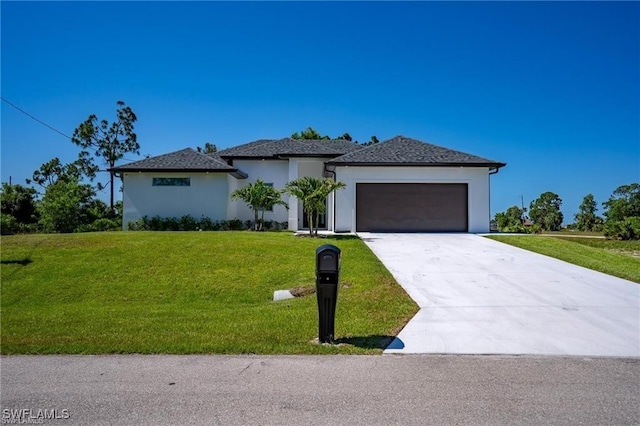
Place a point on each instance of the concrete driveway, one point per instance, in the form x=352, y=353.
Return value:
x=479, y=296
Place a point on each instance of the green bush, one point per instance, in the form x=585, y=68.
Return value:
x=100, y=225
x=626, y=229
x=206, y=224
x=188, y=223
x=521, y=229
x=233, y=225
x=185, y=223
x=8, y=224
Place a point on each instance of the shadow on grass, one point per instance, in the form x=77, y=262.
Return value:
x=23, y=262
x=375, y=341
x=342, y=237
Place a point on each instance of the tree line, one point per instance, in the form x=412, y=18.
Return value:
x=621, y=216
x=66, y=196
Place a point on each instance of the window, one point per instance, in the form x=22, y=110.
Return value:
x=164, y=181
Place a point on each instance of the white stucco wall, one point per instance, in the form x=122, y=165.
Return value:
x=270, y=171
x=206, y=196
x=477, y=179
x=313, y=167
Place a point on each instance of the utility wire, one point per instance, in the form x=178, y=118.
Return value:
x=42, y=122
x=31, y=116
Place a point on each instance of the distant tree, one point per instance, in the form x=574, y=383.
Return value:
x=623, y=203
x=309, y=133
x=374, y=140
x=64, y=205
x=511, y=220
x=19, y=202
x=260, y=197
x=586, y=218
x=545, y=211
x=209, y=148
x=53, y=171
x=110, y=142
x=346, y=137
x=312, y=192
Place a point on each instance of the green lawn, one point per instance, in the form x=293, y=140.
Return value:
x=187, y=292
x=617, y=258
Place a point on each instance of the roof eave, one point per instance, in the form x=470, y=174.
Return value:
x=170, y=170
x=379, y=164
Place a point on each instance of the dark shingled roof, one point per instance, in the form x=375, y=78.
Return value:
x=287, y=147
x=403, y=151
x=184, y=160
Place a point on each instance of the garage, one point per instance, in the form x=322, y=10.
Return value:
x=411, y=207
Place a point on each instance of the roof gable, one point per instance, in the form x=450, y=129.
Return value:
x=405, y=151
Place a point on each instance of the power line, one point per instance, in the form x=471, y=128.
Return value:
x=42, y=122
x=34, y=118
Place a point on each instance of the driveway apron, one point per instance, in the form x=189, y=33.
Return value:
x=479, y=296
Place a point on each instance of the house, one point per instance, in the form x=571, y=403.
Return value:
x=399, y=185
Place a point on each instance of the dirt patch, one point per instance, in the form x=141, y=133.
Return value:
x=302, y=291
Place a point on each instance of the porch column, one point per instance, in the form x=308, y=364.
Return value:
x=293, y=201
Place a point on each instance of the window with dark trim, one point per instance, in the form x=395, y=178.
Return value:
x=171, y=181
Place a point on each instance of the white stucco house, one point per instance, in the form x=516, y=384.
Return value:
x=399, y=185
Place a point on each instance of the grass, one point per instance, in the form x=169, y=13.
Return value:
x=187, y=292
x=617, y=258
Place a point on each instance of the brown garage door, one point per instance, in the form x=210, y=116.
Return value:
x=411, y=207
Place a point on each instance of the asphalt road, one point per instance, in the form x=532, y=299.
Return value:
x=337, y=390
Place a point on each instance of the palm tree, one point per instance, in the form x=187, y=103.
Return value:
x=313, y=193
x=260, y=197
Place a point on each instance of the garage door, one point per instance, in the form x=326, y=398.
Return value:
x=411, y=207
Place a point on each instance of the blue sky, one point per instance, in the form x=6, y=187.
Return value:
x=552, y=89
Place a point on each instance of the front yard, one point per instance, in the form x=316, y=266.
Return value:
x=187, y=292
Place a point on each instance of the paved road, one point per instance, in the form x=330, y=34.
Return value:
x=479, y=296
x=323, y=390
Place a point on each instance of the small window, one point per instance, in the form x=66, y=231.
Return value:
x=164, y=181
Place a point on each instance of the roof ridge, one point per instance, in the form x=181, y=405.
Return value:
x=402, y=150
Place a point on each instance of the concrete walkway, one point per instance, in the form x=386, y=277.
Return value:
x=479, y=296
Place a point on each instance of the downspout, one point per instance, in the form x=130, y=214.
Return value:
x=332, y=170
x=492, y=171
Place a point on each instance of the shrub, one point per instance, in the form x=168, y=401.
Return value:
x=188, y=223
x=206, y=224
x=100, y=225
x=8, y=224
x=626, y=229
x=234, y=224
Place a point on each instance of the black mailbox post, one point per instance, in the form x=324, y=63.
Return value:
x=327, y=278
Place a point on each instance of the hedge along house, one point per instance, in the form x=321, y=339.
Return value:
x=399, y=185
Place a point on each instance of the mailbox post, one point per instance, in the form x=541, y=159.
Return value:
x=327, y=279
